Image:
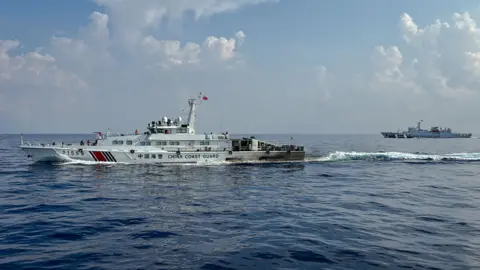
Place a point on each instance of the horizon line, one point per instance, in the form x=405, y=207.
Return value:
x=239, y=133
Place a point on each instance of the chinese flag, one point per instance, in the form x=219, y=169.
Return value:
x=205, y=98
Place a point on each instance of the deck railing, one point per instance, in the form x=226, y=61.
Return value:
x=35, y=143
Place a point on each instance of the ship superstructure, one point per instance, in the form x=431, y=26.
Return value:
x=432, y=132
x=165, y=141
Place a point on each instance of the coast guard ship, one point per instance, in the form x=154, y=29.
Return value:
x=433, y=132
x=165, y=141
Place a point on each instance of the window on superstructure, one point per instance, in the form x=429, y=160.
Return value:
x=148, y=143
x=147, y=155
x=120, y=142
x=158, y=142
x=177, y=143
x=129, y=142
x=171, y=143
x=142, y=143
x=114, y=142
x=154, y=156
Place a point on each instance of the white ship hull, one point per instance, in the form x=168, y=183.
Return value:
x=165, y=141
x=152, y=156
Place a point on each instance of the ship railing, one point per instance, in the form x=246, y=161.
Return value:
x=284, y=148
x=43, y=144
x=117, y=134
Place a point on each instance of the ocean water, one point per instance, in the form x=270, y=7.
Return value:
x=357, y=202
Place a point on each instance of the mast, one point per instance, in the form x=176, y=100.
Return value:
x=418, y=124
x=191, y=116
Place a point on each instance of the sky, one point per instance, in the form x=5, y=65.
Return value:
x=267, y=66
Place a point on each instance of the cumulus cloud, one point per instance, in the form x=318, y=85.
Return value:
x=171, y=53
x=33, y=68
x=444, y=57
x=73, y=73
x=119, y=66
x=440, y=59
x=436, y=66
x=150, y=12
x=132, y=19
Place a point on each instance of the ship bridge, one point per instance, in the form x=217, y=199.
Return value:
x=169, y=126
x=175, y=126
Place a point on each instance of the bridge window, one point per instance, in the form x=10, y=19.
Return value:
x=129, y=142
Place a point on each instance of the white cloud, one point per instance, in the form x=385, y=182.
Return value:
x=132, y=19
x=434, y=74
x=33, y=68
x=171, y=53
x=444, y=55
x=221, y=47
x=240, y=36
x=119, y=67
x=472, y=65
x=440, y=60
x=150, y=12
x=114, y=55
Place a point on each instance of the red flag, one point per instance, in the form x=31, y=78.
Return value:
x=205, y=98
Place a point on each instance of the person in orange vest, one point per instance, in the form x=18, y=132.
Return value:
x=136, y=131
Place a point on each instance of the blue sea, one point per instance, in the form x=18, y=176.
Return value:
x=357, y=202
